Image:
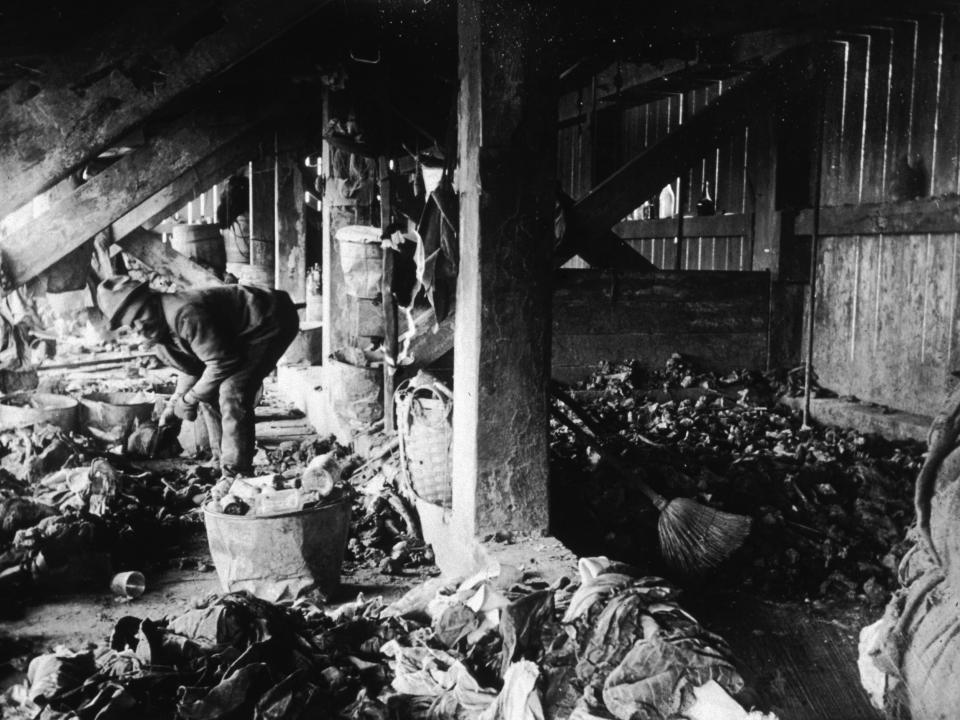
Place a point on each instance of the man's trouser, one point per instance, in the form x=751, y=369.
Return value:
x=231, y=423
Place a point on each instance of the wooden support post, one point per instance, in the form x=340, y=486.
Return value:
x=276, y=210
x=389, y=304
x=290, y=223
x=76, y=115
x=507, y=164
x=262, y=211
x=681, y=201
x=326, y=252
x=608, y=250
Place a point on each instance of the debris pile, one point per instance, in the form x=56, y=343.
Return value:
x=68, y=514
x=385, y=530
x=500, y=645
x=71, y=512
x=830, y=507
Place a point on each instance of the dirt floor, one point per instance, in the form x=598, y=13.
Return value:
x=78, y=619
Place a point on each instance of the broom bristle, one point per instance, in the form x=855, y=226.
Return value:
x=695, y=538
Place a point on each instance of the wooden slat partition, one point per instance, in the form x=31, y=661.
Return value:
x=713, y=242
x=886, y=318
x=720, y=319
x=639, y=127
x=886, y=326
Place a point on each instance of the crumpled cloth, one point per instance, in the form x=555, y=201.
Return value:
x=639, y=655
x=519, y=698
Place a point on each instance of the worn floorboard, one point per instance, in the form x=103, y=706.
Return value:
x=802, y=664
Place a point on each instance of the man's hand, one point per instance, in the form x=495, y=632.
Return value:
x=185, y=406
x=168, y=416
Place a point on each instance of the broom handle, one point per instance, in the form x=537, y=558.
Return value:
x=659, y=501
x=561, y=393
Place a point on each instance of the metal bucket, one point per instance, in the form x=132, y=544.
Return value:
x=306, y=347
x=280, y=557
x=28, y=408
x=113, y=416
x=202, y=243
x=355, y=392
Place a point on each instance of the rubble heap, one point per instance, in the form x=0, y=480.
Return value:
x=501, y=645
x=830, y=507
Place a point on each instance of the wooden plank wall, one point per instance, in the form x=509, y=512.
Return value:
x=622, y=133
x=698, y=253
x=720, y=319
x=886, y=322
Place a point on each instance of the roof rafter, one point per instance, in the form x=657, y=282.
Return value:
x=47, y=132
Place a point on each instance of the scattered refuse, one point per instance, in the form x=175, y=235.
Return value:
x=500, y=645
x=830, y=507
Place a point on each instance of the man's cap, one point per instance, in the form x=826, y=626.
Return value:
x=116, y=294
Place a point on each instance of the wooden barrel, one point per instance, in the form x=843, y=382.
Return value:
x=254, y=275
x=202, y=243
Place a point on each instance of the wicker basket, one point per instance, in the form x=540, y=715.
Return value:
x=425, y=427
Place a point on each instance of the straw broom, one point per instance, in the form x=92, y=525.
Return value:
x=693, y=537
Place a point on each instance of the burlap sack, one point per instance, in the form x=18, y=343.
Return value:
x=918, y=643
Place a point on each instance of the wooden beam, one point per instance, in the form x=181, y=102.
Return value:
x=210, y=170
x=148, y=248
x=606, y=251
x=25, y=213
x=111, y=194
x=696, y=226
x=717, y=60
x=428, y=345
x=389, y=302
x=913, y=217
x=50, y=134
x=290, y=224
x=663, y=161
